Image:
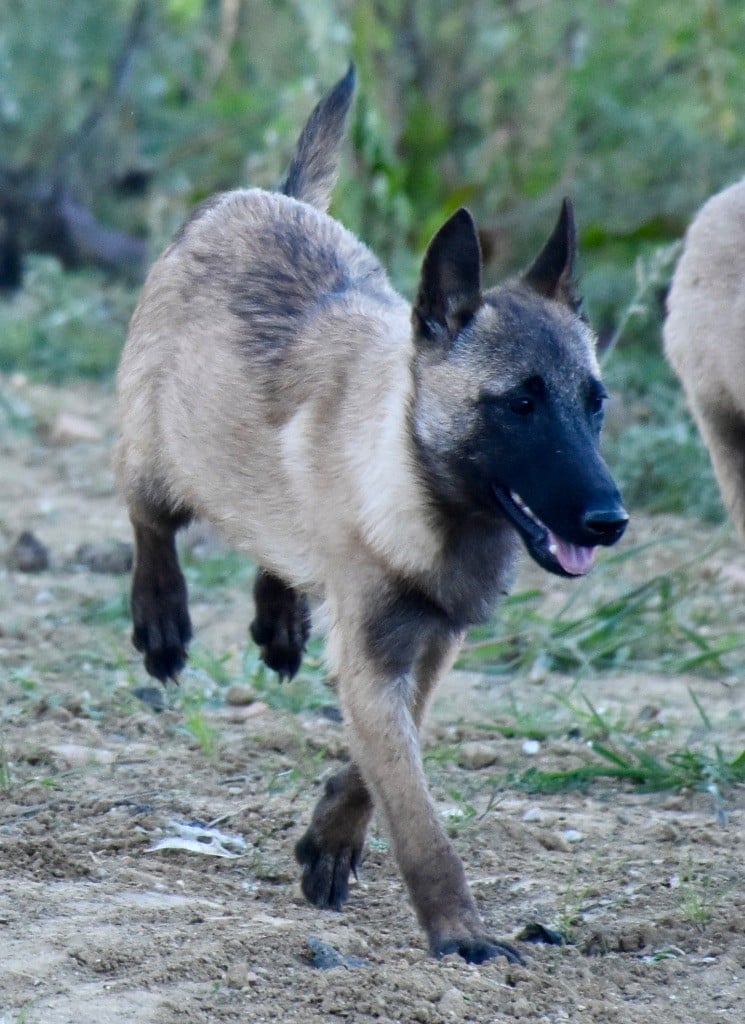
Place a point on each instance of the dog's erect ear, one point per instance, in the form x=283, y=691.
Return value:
x=450, y=283
x=552, y=272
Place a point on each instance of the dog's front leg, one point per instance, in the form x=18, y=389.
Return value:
x=382, y=646
x=331, y=848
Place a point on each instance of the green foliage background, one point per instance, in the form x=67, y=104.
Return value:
x=636, y=110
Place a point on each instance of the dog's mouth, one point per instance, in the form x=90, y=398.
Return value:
x=550, y=551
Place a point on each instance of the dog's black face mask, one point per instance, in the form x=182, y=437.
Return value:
x=508, y=401
x=535, y=457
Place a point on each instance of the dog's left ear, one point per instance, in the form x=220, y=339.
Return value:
x=552, y=272
x=450, y=283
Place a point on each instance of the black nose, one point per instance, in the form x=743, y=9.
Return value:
x=605, y=525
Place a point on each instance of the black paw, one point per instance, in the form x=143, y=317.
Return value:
x=163, y=637
x=477, y=950
x=325, y=879
x=282, y=624
x=281, y=649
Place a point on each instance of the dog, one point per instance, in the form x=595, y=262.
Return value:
x=387, y=458
x=704, y=337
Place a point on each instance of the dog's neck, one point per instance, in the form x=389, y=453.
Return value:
x=461, y=563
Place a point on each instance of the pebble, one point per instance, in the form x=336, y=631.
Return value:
x=517, y=974
x=277, y=733
x=573, y=836
x=325, y=957
x=668, y=833
x=673, y=803
x=69, y=428
x=60, y=714
x=478, y=754
x=522, y=1007
x=113, y=558
x=153, y=696
x=27, y=554
x=531, y=747
x=239, y=975
x=553, y=841
x=538, y=933
x=453, y=1003
x=77, y=754
x=236, y=715
x=239, y=694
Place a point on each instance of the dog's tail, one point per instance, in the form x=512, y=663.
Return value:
x=311, y=175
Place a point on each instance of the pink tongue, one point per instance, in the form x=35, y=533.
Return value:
x=573, y=558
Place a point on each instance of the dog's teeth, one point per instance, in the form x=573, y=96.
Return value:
x=524, y=508
x=520, y=503
x=553, y=548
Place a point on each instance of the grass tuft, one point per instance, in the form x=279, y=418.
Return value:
x=206, y=734
x=628, y=762
x=660, y=625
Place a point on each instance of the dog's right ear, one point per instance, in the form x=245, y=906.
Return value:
x=552, y=272
x=450, y=283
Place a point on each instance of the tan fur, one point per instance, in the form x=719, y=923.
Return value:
x=705, y=337
x=183, y=376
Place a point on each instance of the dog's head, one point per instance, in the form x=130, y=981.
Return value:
x=508, y=402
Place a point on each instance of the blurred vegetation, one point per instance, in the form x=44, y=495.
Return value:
x=137, y=109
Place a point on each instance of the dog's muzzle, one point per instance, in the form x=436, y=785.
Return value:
x=602, y=526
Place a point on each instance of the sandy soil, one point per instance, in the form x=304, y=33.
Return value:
x=96, y=926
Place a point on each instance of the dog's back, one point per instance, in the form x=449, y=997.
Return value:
x=268, y=331
x=705, y=337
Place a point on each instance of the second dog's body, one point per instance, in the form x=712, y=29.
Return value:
x=705, y=337
x=389, y=459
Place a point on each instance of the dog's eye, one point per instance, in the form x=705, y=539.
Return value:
x=596, y=402
x=523, y=405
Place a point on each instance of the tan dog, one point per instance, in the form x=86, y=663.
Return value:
x=389, y=459
x=705, y=337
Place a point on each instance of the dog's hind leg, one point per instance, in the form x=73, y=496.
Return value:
x=282, y=623
x=332, y=846
x=160, y=611
x=723, y=431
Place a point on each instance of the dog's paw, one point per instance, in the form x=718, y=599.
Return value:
x=477, y=949
x=162, y=631
x=325, y=878
x=280, y=630
x=280, y=650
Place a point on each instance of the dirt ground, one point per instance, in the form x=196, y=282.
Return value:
x=97, y=926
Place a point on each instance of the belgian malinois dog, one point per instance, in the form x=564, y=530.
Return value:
x=389, y=459
x=705, y=337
